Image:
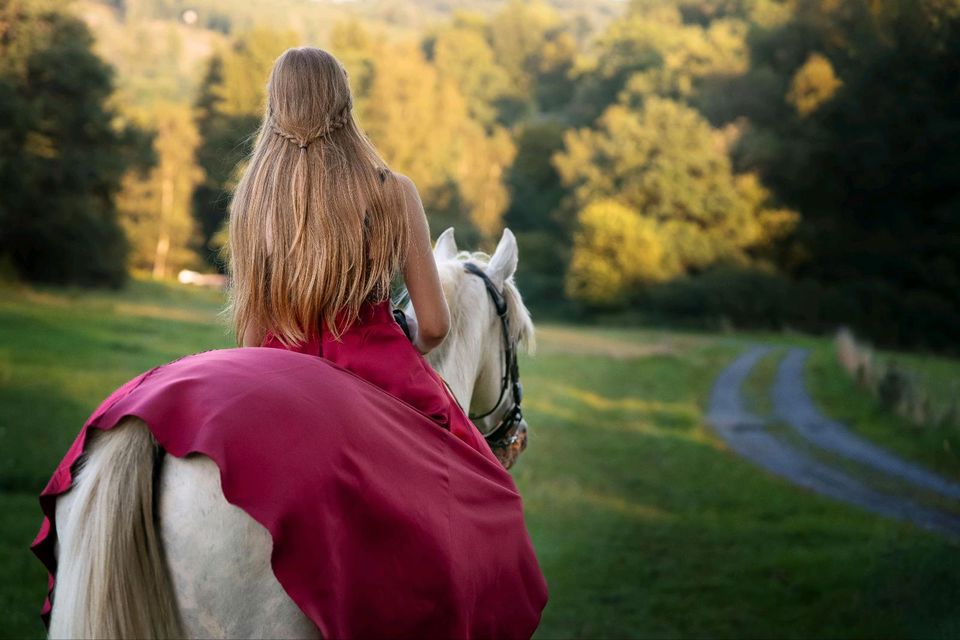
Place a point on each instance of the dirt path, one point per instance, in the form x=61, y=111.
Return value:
x=746, y=434
x=793, y=404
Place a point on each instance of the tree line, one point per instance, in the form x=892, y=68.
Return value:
x=763, y=162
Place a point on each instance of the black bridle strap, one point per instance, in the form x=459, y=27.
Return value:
x=500, y=304
x=501, y=434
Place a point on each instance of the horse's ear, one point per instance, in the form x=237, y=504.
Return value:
x=446, y=246
x=503, y=264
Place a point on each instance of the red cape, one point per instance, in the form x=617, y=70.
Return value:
x=384, y=524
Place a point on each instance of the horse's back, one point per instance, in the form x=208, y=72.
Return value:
x=219, y=560
x=382, y=523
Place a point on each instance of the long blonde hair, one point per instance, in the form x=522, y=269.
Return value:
x=317, y=225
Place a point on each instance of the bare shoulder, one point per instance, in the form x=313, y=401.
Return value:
x=405, y=183
x=411, y=196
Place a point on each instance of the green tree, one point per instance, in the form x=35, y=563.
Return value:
x=615, y=250
x=155, y=209
x=519, y=32
x=813, y=84
x=538, y=53
x=354, y=46
x=859, y=131
x=421, y=123
x=462, y=54
x=245, y=68
x=535, y=189
x=61, y=155
x=229, y=106
x=665, y=162
x=658, y=52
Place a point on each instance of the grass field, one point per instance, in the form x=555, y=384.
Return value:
x=936, y=447
x=645, y=525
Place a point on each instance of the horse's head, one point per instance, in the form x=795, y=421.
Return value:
x=489, y=326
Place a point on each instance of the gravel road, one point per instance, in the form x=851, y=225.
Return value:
x=746, y=434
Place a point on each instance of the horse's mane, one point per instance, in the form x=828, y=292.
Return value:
x=518, y=316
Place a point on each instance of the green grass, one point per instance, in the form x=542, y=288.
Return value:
x=756, y=388
x=644, y=524
x=839, y=396
x=61, y=353
x=939, y=376
x=647, y=527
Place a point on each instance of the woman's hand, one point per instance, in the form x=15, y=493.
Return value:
x=415, y=335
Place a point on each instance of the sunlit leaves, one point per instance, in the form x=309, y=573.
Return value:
x=421, y=122
x=668, y=166
x=155, y=210
x=614, y=249
x=813, y=84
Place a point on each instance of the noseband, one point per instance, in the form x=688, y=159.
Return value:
x=505, y=433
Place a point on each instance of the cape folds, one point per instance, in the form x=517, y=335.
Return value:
x=429, y=539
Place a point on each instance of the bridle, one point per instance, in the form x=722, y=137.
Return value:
x=506, y=432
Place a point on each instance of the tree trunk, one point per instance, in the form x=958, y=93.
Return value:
x=163, y=234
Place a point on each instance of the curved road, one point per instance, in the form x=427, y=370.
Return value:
x=794, y=406
x=746, y=434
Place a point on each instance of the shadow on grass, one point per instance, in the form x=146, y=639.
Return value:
x=39, y=424
x=644, y=524
x=647, y=531
x=24, y=578
x=56, y=374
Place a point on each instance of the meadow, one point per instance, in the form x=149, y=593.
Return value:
x=644, y=523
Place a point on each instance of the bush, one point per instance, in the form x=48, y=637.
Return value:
x=726, y=295
x=896, y=388
x=757, y=299
x=540, y=276
x=61, y=159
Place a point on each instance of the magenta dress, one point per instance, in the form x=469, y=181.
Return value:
x=390, y=516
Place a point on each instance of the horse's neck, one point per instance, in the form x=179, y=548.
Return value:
x=458, y=366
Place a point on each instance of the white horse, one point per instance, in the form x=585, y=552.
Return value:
x=124, y=573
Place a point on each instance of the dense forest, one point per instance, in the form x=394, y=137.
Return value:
x=765, y=163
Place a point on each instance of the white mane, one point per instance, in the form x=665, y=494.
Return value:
x=474, y=336
x=460, y=298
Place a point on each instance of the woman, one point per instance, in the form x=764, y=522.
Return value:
x=318, y=227
x=387, y=512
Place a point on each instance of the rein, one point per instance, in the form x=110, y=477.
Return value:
x=504, y=433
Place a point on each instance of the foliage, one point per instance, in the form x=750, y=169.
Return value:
x=155, y=209
x=229, y=105
x=462, y=53
x=456, y=158
x=725, y=295
x=811, y=140
x=813, y=84
x=763, y=299
x=153, y=60
x=241, y=90
x=614, y=249
x=544, y=271
x=667, y=164
x=536, y=51
x=61, y=153
x=421, y=123
x=872, y=165
x=535, y=187
x=654, y=48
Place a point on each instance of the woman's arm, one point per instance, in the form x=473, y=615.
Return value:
x=420, y=275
